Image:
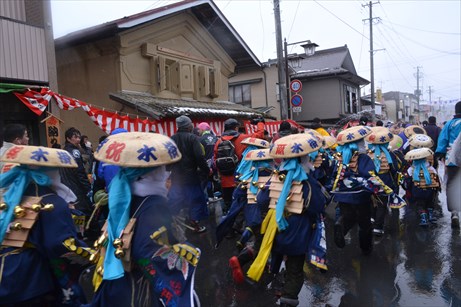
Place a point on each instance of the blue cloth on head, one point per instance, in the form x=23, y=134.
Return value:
x=377, y=149
x=119, y=215
x=313, y=155
x=17, y=179
x=419, y=165
x=245, y=165
x=295, y=172
x=253, y=173
x=347, y=151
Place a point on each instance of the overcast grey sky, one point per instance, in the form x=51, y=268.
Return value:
x=407, y=35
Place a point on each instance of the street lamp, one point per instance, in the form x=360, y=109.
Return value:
x=287, y=76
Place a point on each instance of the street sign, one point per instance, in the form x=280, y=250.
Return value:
x=296, y=109
x=296, y=85
x=296, y=100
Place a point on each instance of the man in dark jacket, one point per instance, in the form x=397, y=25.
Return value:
x=433, y=131
x=76, y=178
x=185, y=190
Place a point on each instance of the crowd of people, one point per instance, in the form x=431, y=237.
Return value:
x=127, y=208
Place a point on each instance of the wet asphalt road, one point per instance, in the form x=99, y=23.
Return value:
x=409, y=266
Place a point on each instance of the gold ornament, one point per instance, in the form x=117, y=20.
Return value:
x=19, y=212
x=16, y=226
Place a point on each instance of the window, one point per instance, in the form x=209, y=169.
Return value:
x=350, y=99
x=240, y=94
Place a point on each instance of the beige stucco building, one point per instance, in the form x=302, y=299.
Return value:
x=158, y=64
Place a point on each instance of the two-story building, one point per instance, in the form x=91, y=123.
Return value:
x=160, y=64
x=330, y=84
x=27, y=58
x=401, y=107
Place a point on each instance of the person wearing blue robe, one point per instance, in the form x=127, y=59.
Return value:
x=43, y=272
x=161, y=267
x=450, y=131
x=287, y=234
x=354, y=186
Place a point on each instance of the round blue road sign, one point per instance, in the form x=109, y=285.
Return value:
x=296, y=100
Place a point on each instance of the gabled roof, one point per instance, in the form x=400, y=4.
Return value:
x=325, y=63
x=205, y=11
x=160, y=108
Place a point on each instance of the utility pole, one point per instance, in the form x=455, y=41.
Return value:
x=280, y=63
x=430, y=94
x=418, y=91
x=372, y=72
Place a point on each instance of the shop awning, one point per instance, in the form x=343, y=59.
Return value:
x=160, y=108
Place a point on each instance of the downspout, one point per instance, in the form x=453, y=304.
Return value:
x=265, y=82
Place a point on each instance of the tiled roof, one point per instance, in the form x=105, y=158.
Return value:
x=164, y=108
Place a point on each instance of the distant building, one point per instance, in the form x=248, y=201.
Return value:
x=401, y=107
x=330, y=84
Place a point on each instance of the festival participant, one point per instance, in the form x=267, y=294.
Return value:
x=423, y=182
x=386, y=166
x=253, y=183
x=239, y=197
x=354, y=182
x=408, y=132
x=296, y=204
x=225, y=164
x=447, y=137
x=141, y=263
x=37, y=234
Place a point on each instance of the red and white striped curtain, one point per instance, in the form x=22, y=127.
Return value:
x=108, y=121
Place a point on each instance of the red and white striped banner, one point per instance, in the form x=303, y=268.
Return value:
x=109, y=121
x=35, y=101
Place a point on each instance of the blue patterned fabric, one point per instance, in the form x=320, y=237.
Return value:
x=295, y=172
x=17, y=180
x=119, y=215
x=34, y=268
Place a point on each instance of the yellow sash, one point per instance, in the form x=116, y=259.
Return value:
x=269, y=229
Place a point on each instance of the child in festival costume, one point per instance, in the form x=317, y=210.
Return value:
x=141, y=263
x=239, y=196
x=38, y=238
x=386, y=166
x=423, y=182
x=296, y=203
x=354, y=182
x=255, y=186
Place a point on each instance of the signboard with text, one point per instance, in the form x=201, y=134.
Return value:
x=296, y=85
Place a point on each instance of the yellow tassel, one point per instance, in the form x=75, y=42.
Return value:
x=97, y=278
x=269, y=228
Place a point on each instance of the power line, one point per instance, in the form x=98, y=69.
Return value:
x=294, y=19
x=402, y=43
x=422, y=45
x=426, y=31
x=340, y=19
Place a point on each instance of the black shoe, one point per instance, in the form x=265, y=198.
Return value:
x=339, y=235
